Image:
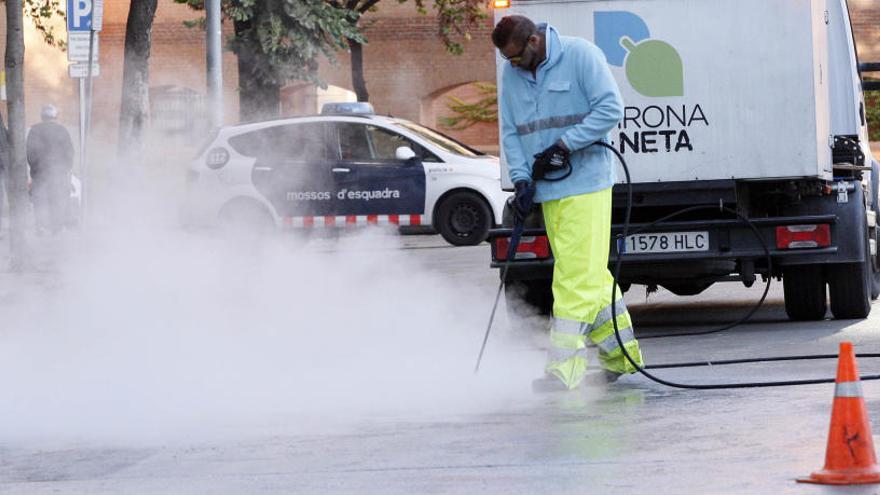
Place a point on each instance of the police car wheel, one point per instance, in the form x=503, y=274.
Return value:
x=246, y=216
x=464, y=219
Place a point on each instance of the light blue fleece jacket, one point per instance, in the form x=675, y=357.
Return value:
x=572, y=97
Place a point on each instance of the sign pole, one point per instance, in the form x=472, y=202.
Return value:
x=84, y=20
x=214, y=32
x=82, y=147
x=84, y=166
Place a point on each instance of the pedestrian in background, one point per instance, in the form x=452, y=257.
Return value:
x=50, y=157
x=558, y=97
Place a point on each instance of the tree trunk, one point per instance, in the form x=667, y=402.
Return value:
x=17, y=175
x=135, y=80
x=257, y=100
x=357, y=71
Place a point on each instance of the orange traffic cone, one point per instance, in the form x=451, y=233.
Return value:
x=849, y=457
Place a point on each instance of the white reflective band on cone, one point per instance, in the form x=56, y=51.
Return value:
x=848, y=389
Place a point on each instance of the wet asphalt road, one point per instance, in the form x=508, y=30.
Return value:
x=633, y=436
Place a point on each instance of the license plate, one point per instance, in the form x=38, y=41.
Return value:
x=667, y=242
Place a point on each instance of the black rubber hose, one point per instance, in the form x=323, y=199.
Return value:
x=728, y=362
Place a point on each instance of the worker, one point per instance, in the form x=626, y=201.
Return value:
x=557, y=98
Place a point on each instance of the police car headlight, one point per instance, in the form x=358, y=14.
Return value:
x=216, y=158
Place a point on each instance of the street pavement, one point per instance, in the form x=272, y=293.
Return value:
x=160, y=361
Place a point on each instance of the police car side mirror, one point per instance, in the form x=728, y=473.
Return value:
x=404, y=153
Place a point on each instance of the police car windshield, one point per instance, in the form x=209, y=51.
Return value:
x=443, y=141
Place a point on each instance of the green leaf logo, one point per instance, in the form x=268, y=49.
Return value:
x=654, y=68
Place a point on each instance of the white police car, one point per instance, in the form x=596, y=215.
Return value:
x=345, y=167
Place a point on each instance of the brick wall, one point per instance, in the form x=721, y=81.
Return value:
x=865, y=15
x=482, y=135
x=410, y=74
x=405, y=61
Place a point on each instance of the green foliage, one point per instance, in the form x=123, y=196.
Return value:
x=467, y=114
x=455, y=18
x=872, y=109
x=284, y=39
x=42, y=12
x=288, y=37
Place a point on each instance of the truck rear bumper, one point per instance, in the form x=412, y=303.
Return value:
x=729, y=241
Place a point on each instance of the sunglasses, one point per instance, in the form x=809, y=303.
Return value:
x=518, y=56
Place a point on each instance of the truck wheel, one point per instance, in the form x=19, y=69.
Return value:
x=804, y=289
x=850, y=286
x=528, y=297
x=464, y=219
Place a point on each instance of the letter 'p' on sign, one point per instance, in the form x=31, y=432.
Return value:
x=79, y=15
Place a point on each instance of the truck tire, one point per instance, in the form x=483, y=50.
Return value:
x=804, y=289
x=850, y=286
x=528, y=298
x=464, y=219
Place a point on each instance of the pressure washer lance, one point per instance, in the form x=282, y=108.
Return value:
x=550, y=167
x=518, y=226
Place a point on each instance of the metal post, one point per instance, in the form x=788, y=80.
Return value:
x=86, y=124
x=82, y=148
x=215, y=61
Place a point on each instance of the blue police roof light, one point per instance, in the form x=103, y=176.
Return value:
x=347, y=108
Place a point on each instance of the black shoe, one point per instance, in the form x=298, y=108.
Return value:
x=610, y=376
x=601, y=378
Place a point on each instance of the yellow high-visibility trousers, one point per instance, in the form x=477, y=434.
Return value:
x=579, y=230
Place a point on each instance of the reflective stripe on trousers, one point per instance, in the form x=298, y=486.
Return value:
x=602, y=334
x=567, y=358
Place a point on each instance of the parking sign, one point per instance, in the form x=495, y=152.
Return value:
x=79, y=15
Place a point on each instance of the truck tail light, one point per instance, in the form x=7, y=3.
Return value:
x=537, y=247
x=803, y=236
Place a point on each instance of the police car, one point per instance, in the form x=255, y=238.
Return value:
x=346, y=167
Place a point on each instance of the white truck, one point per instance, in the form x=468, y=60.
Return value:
x=754, y=105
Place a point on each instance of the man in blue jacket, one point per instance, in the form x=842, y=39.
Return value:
x=557, y=98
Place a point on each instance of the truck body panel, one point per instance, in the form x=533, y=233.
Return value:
x=705, y=94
